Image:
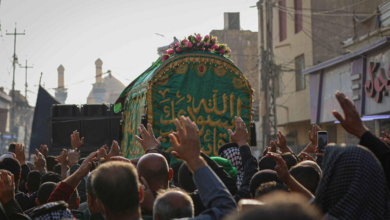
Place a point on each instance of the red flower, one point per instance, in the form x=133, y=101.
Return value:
x=170, y=51
x=165, y=57
x=198, y=37
x=215, y=46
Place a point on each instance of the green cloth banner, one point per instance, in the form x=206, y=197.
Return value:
x=204, y=86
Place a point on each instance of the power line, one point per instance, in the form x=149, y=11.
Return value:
x=311, y=37
x=320, y=42
x=325, y=13
x=315, y=17
x=84, y=80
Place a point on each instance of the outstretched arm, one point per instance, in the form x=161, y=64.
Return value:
x=283, y=174
x=66, y=188
x=7, y=197
x=240, y=136
x=214, y=195
x=353, y=124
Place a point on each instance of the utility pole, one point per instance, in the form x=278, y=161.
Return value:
x=13, y=84
x=26, y=85
x=273, y=122
x=267, y=71
x=25, y=91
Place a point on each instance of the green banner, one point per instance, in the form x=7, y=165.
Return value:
x=208, y=88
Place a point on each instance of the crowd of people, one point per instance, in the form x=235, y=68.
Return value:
x=344, y=182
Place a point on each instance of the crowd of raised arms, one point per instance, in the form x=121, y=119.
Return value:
x=344, y=182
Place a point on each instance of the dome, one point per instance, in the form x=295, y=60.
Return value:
x=107, y=91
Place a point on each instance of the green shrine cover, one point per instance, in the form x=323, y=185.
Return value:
x=207, y=87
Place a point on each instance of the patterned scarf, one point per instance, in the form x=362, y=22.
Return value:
x=52, y=211
x=353, y=185
x=231, y=152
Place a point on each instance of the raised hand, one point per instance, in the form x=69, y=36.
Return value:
x=73, y=157
x=284, y=175
x=352, y=122
x=305, y=156
x=62, y=158
x=240, y=135
x=310, y=148
x=313, y=134
x=19, y=154
x=7, y=187
x=39, y=161
x=282, y=143
x=44, y=150
x=146, y=138
x=281, y=166
x=386, y=139
x=87, y=164
x=187, y=146
x=102, y=153
x=76, y=142
x=273, y=146
x=115, y=149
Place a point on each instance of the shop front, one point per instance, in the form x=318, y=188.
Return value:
x=364, y=76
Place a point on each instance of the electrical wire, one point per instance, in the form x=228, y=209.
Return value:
x=81, y=81
x=326, y=13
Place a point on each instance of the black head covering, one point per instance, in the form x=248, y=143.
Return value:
x=353, y=185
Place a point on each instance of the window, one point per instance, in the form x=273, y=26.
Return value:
x=300, y=83
x=282, y=20
x=298, y=15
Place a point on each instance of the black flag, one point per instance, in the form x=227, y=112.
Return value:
x=40, y=126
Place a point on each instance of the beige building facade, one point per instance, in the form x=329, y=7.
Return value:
x=244, y=53
x=306, y=33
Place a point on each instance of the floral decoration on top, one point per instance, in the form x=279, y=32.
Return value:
x=197, y=43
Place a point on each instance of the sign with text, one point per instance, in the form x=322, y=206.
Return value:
x=378, y=85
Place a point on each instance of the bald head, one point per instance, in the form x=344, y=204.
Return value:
x=172, y=205
x=154, y=168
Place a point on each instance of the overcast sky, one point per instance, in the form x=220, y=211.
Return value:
x=121, y=33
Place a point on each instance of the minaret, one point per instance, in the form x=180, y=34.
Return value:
x=61, y=91
x=61, y=70
x=99, y=72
